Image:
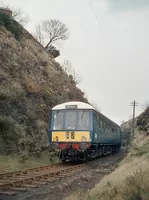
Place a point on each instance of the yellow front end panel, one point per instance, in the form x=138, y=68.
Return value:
x=71, y=136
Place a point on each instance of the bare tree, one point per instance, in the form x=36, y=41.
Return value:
x=67, y=66
x=70, y=70
x=145, y=106
x=38, y=34
x=55, y=30
x=19, y=16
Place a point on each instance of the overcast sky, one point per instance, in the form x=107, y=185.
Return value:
x=108, y=46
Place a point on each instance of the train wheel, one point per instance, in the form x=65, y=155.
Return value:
x=115, y=149
x=99, y=152
x=109, y=149
x=105, y=150
x=118, y=148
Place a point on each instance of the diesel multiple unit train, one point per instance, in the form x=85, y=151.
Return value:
x=80, y=132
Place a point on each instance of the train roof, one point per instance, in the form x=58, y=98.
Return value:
x=73, y=104
x=79, y=105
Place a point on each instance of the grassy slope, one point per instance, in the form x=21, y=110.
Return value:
x=130, y=181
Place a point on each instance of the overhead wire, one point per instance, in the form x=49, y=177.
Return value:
x=98, y=19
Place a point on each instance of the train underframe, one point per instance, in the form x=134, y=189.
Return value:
x=95, y=151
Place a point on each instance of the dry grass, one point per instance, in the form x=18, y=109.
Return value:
x=130, y=181
x=32, y=85
x=140, y=146
x=31, y=82
x=11, y=90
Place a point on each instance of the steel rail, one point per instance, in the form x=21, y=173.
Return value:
x=12, y=182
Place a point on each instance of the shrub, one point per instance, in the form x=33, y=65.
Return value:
x=53, y=51
x=11, y=25
x=23, y=157
x=10, y=130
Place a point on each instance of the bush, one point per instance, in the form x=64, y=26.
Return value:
x=23, y=157
x=11, y=25
x=143, y=121
x=53, y=51
x=10, y=130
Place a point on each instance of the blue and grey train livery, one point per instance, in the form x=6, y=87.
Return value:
x=80, y=131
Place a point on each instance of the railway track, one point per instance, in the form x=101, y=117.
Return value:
x=20, y=181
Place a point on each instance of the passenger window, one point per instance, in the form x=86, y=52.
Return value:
x=99, y=122
x=96, y=122
x=108, y=129
x=105, y=125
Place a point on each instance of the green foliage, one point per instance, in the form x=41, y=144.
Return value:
x=23, y=157
x=53, y=51
x=11, y=25
x=7, y=128
x=140, y=150
x=22, y=161
x=143, y=120
x=10, y=130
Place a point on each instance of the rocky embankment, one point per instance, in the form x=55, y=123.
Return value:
x=31, y=83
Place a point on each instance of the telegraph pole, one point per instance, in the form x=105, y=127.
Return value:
x=134, y=104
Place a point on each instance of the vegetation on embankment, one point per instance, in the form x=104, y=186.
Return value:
x=10, y=163
x=130, y=181
x=31, y=83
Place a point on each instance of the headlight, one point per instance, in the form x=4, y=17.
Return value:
x=83, y=145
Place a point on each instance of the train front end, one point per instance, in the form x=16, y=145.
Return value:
x=71, y=130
